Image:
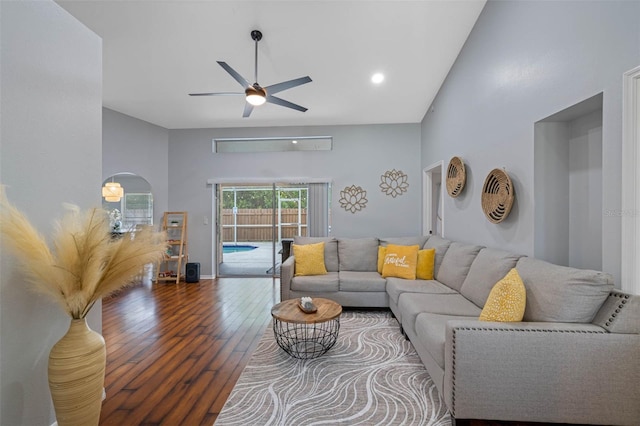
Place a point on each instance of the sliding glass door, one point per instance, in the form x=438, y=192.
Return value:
x=254, y=220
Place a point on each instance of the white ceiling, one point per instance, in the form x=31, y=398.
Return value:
x=156, y=52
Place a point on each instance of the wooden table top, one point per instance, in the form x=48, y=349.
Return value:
x=288, y=311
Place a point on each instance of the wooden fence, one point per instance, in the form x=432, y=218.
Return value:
x=255, y=225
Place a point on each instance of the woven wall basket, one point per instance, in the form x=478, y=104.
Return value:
x=456, y=176
x=497, y=196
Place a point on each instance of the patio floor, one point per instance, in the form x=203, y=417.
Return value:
x=257, y=262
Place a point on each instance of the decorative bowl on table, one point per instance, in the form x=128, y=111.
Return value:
x=306, y=305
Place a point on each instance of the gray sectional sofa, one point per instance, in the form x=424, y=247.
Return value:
x=575, y=357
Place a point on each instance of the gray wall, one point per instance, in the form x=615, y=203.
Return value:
x=551, y=186
x=585, y=192
x=50, y=153
x=136, y=146
x=524, y=61
x=360, y=155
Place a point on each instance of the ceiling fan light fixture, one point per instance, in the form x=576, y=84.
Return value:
x=256, y=96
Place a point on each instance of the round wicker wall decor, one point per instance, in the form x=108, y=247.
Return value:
x=497, y=196
x=456, y=176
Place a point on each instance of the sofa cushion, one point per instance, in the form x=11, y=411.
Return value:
x=400, y=261
x=431, y=331
x=397, y=286
x=489, y=266
x=506, y=300
x=330, y=249
x=441, y=245
x=560, y=293
x=456, y=264
x=358, y=254
x=426, y=263
x=404, y=241
x=309, y=259
x=361, y=281
x=316, y=283
x=412, y=304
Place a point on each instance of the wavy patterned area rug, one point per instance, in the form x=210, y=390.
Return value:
x=372, y=376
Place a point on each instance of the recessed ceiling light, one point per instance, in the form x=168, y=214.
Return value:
x=377, y=78
x=294, y=141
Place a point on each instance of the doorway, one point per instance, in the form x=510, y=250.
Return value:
x=134, y=207
x=253, y=221
x=432, y=221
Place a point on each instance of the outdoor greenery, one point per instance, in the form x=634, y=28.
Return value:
x=263, y=198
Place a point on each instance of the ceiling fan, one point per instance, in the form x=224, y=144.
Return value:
x=254, y=93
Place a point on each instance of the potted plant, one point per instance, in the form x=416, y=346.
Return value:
x=82, y=265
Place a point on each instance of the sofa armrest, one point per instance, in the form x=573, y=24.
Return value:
x=541, y=372
x=287, y=271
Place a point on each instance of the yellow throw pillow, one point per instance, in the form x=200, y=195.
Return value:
x=382, y=251
x=426, y=262
x=400, y=261
x=507, y=300
x=309, y=259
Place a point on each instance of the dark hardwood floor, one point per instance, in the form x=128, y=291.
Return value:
x=174, y=352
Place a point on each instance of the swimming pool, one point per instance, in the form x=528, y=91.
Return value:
x=237, y=248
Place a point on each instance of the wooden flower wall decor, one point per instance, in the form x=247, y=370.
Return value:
x=394, y=183
x=353, y=198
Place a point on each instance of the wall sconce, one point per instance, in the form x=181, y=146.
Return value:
x=112, y=192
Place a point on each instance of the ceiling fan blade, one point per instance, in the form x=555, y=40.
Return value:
x=279, y=87
x=216, y=94
x=248, y=108
x=282, y=102
x=237, y=77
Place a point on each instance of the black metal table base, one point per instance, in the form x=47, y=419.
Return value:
x=305, y=341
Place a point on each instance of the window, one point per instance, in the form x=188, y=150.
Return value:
x=137, y=210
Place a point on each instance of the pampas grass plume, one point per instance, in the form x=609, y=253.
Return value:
x=86, y=264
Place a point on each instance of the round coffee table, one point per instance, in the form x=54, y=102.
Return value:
x=303, y=335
